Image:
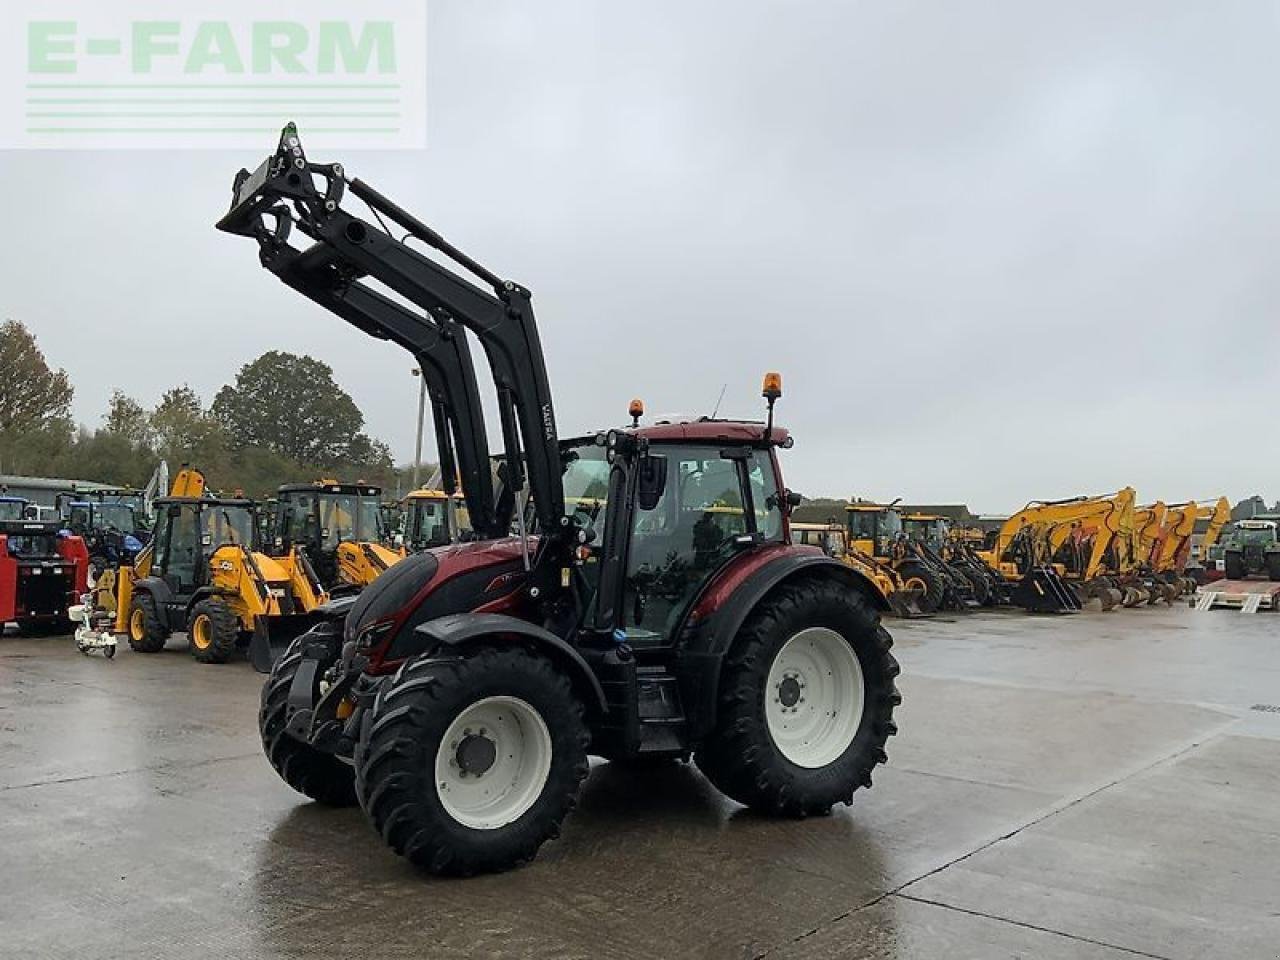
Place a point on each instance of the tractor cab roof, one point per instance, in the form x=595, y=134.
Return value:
x=331, y=486
x=706, y=430
x=423, y=493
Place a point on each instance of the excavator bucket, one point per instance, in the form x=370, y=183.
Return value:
x=905, y=603
x=272, y=636
x=1041, y=590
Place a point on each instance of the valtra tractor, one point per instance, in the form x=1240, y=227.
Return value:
x=458, y=697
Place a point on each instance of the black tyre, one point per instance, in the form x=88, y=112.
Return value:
x=772, y=690
x=321, y=776
x=213, y=630
x=1234, y=564
x=147, y=632
x=1273, y=566
x=439, y=727
x=916, y=574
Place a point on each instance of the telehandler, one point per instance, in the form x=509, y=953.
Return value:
x=457, y=698
x=338, y=527
x=201, y=574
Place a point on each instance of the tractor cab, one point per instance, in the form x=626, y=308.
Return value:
x=1253, y=549
x=108, y=529
x=433, y=518
x=338, y=527
x=189, y=531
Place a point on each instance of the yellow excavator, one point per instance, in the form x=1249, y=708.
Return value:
x=1148, y=535
x=339, y=528
x=1022, y=554
x=1083, y=538
x=200, y=573
x=1173, y=554
x=831, y=538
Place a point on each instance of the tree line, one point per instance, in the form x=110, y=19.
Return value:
x=284, y=418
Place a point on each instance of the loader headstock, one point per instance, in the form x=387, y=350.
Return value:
x=285, y=184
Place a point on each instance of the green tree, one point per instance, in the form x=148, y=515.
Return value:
x=291, y=405
x=35, y=401
x=127, y=419
x=184, y=431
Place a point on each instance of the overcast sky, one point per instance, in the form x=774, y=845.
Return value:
x=999, y=251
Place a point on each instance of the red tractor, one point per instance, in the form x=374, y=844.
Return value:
x=43, y=571
x=631, y=594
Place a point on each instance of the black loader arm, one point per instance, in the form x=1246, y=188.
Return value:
x=443, y=357
x=287, y=191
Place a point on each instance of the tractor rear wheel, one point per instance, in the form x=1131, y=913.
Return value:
x=147, y=633
x=916, y=574
x=315, y=774
x=806, y=702
x=213, y=630
x=468, y=765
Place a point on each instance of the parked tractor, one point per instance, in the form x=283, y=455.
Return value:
x=1253, y=549
x=108, y=529
x=458, y=697
x=878, y=531
x=43, y=570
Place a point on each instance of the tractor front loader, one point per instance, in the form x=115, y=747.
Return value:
x=200, y=574
x=458, y=696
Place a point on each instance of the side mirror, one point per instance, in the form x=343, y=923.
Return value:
x=651, y=481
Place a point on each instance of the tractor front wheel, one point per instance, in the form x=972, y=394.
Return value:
x=321, y=776
x=468, y=765
x=213, y=630
x=147, y=633
x=806, y=702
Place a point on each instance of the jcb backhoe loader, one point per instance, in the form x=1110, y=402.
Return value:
x=833, y=540
x=201, y=574
x=338, y=527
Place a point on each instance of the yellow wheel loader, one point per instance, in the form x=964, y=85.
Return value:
x=433, y=518
x=831, y=538
x=200, y=574
x=878, y=531
x=339, y=528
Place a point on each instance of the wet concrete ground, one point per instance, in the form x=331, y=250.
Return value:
x=1097, y=786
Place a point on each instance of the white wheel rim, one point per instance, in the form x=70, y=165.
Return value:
x=493, y=762
x=814, y=697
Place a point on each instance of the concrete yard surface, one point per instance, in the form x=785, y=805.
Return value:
x=1099, y=786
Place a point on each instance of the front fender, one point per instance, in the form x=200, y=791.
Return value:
x=460, y=629
x=162, y=593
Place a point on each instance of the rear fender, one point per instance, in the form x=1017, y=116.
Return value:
x=706, y=643
x=459, y=630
